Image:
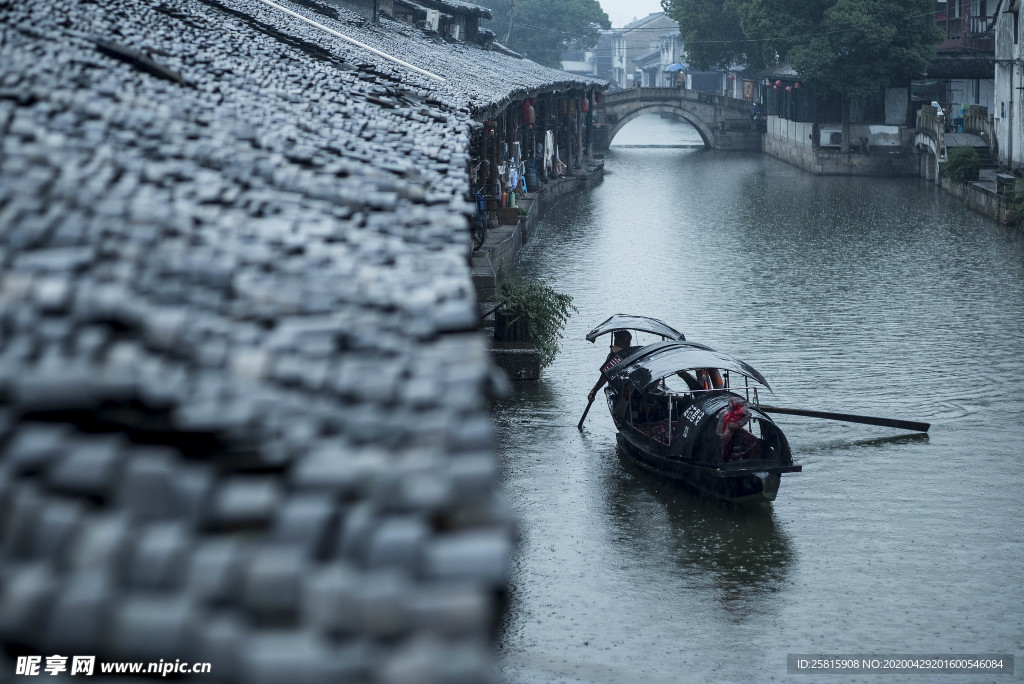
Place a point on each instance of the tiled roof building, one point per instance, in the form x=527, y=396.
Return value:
x=243, y=413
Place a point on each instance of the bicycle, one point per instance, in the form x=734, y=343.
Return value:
x=478, y=230
x=483, y=217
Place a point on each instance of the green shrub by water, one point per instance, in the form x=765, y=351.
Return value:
x=545, y=310
x=1016, y=201
x=962, y=165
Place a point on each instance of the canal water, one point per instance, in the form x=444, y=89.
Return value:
x=877, y=296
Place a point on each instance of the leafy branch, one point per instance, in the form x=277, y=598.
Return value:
x=544, y=310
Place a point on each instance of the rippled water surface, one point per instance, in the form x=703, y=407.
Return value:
x=876, y=296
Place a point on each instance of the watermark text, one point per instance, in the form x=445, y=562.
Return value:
x=87, y=666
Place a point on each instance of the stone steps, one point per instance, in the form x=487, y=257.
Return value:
x=987, y=160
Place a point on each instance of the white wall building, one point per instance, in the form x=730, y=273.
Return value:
x=1008, y=108
x=641, y=47
x=581, y=62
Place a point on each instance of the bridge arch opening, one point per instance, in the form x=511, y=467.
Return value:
x=675, y=112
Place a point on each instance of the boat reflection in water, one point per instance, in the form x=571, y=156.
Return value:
x=740, y=553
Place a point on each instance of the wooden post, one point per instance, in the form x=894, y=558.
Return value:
x=579, y=131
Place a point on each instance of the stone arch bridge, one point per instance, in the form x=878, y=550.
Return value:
x=724, y=123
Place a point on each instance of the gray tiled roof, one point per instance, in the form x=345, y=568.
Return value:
x=243, y=412
x=475, y=79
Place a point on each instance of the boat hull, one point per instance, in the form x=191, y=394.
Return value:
x=739, y=486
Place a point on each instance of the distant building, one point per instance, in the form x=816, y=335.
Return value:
x=666, y=49
x=1009, y=77
x=646, y=46
x=671, y=46
x=603, y=59
x=962, y=72
x=580, y=62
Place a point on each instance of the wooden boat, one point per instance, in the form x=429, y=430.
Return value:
x=709, y=433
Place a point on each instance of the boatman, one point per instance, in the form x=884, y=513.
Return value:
x=620, y=350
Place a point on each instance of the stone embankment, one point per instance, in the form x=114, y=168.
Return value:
x=899, y=151
x=499, y=252
x=243, y=411
x=987, y=195
x=885, y=153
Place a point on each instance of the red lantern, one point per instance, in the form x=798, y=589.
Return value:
x=529, y=116
x=585, y=105
x=797, y=85
x=789, y=89
x=731, y=77
x=778, y=84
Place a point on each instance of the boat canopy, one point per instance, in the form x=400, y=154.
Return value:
x=641, y=323
x=662, y=359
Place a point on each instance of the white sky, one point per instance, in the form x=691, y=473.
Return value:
x=621, y=12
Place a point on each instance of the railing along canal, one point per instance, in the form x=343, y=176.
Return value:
x=978, y=121
x=674, y=94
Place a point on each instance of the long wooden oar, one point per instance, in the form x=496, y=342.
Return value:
x=585, y=412
x=851, y=418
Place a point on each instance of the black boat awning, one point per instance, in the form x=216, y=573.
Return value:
x=662, y=359
x=641, y=323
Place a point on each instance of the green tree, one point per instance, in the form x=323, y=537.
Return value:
x=846, y=48
x=840, y=48
x=712, y=34
x=544, y=29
